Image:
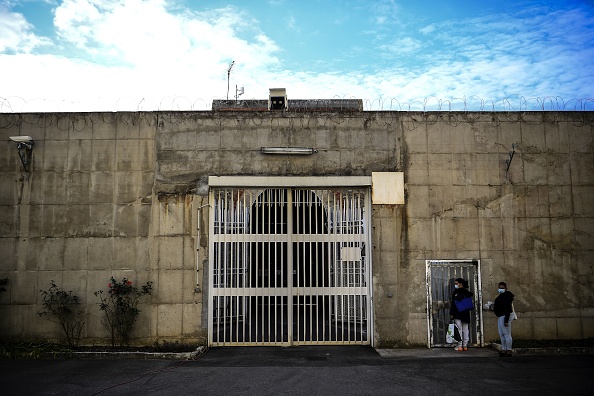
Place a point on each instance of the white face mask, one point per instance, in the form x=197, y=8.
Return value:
x=501, y=290
x=456, y=286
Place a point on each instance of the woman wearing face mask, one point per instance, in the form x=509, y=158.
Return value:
x=461, y=319
x=505, y=314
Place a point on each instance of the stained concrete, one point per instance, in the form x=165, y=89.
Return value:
x=119, y=194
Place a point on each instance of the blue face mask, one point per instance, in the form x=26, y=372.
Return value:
x=501, y=290
x=456, y=286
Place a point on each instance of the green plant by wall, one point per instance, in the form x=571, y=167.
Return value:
x=120, y=308
x=63, y=308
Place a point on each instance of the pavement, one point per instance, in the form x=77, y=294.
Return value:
x=315, y=370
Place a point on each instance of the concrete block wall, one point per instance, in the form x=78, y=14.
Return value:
x=87, y=211
x=529, y=229
x=121, y=194
x=192, y=146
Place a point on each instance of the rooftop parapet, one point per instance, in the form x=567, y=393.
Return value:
x=294, y=105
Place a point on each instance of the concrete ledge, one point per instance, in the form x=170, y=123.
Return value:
x=128, y=355
x=488, y=351
x=549, y=350
x=426, y=353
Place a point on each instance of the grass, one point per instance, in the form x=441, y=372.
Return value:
x=31, y=350
x=164, y=347
x=43, y=349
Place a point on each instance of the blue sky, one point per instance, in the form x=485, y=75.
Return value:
x=88, y=55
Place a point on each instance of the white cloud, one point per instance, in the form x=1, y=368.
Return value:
x=291, y=23
x=380, y=20
x=145, y=32
x=140, y=49
x=399, y=46
x=145, y=55
x=16, y=35
x=385, y=10
x=536, y=54
x=74, y=20
x=428, y=29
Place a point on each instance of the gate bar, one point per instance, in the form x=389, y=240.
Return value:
x=290, y=314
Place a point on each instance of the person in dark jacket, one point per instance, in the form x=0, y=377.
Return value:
x=461, y=319
x=505, y=314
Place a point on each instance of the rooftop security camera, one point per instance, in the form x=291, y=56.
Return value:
x=22, y=139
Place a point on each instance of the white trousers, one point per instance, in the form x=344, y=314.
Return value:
x=463, y=329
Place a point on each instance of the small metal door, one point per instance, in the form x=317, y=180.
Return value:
x=441, y=275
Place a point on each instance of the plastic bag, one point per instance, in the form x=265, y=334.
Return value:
x=450, y=333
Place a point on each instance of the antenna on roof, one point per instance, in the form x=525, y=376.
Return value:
x=228, y=76
x=238, y=92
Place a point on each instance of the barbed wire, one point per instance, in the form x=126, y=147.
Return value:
x=382, y=112
x=476, y=103
x=16, y=104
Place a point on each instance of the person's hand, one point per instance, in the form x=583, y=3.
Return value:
x=506, y=324
x=451, y=317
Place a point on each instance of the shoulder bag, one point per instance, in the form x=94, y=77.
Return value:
x=466, y=304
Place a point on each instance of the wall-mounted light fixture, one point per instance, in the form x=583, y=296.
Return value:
x=25, y=148
x=288, y=150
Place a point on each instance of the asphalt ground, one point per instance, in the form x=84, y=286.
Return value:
x=352, y=370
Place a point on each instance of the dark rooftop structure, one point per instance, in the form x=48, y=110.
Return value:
x=294, y=105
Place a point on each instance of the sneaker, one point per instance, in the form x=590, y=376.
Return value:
x=464, y=348
x=458, y=348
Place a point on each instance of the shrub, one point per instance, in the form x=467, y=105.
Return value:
x=62, y=307
x=120, y=307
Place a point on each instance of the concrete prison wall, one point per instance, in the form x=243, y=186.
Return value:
x=122, y=194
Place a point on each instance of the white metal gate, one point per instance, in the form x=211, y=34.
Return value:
x=289, y=266
x=441, y=275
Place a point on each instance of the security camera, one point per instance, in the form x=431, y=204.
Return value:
x=25, y=148
x=23, y=142
x=21, y=139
